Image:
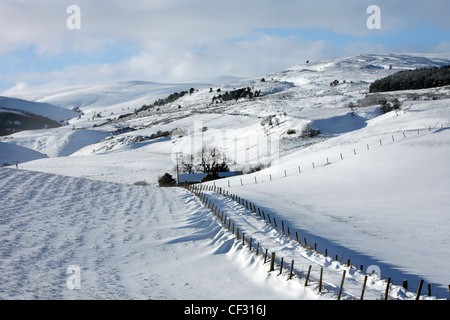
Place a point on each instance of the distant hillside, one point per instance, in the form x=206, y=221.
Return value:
x=15, y=121
x=422, y=78
x=11, y=154
x=46, y=110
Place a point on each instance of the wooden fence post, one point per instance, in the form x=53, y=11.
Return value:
x=292, y=270
x=307, y=276
x=419, y=289
x=281, y=266
x=320, y=280
x=363, y=288
x=386, y=292
x=272, y=262
x=341, y=286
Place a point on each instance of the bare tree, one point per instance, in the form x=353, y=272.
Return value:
x=187, y=164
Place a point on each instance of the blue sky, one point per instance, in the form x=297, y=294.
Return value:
x=179, y=41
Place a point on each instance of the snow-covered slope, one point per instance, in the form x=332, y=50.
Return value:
x=43, y=109
x=111, y=99
x=11, y=154
x=58, y=142
x=126, y=242
x=378, y=196
x=377, y=192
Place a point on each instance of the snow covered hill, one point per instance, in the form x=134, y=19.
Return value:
x=43, y=109
x=371, y=187
x=127, y=242
x=11, y=154
x=378, y=196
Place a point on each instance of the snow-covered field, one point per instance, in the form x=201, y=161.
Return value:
x=386, y=206
x=129, y=242
x=371, y=188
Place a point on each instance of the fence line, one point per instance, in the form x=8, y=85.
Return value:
x=285, y=229
x=326, y=161
x=229, y=225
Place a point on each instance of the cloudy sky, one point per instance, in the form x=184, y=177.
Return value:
x=42, y=42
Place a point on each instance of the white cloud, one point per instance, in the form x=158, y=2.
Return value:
x=182, y=40
x=41, y=22
x=443, y=46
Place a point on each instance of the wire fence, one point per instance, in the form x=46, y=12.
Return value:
x=277, y=263
x=312, y=277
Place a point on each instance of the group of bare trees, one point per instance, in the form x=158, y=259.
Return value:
x=209, y=160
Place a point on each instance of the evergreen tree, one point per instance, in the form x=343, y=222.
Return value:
x=166, y=180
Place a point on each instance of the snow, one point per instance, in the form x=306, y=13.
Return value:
x=130, y=242
x=371, y=188
x=59, y=142
x=11, y=154
x=386, y=207
x=44, y=109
